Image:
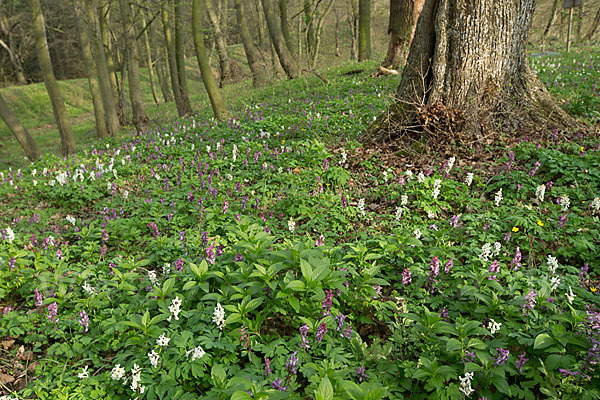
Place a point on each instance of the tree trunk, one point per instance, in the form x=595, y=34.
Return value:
x=92, y=73
x=594, y=26
x=285, y=26
x=417, y=8
x=58, y=106
x=107, y=90
x=172, y=58
x=364, y=30
x=467, y=74
x=353, y=21
x=17, y=128
x=552, y=18
x=337, y=32
x=318, y=33
x=288, y=62
x=105, y=34
x=259, y=73
x=140, y=119
x=399, y=29
x=17, y=68
x=310, y=27
x=180, y=57
x=210, y=83
x=150, y=64
x=224, y=63
x=160, y=67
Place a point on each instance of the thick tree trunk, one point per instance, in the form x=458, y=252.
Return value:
x=310, y=26
x=224, y=62
x=259, y=73
x=285, y=26
x=140, y=119
x=149, y=62
x=160, y=66
x=210, y=83
x=288, y=62
x=399, y=28
x=180, y=57
x=364, y=30
x=17, y=128
x=552, y=18
x=104, y=76
x=594, y=26
x=92, y=73
x=467, y=74
x=58, y=106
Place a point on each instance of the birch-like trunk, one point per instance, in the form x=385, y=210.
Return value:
x=468, y=63
x=67, y=145
x=17, y=128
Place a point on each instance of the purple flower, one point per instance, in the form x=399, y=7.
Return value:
x=583, y=272
x=104, y=236
x=305, y=344
x=11, y=263
x=535, y=169
x=225, y=206
x=507, y=237
x=449, y=265
x=154, y=229
x=521, y=362
x=321, y=331
x=277, y=385
x=344, y=201
x=59, y=254
x=84, y=320
x=469, y=357
x=320, y=241
x=503, y=355
x=444, y=314
x=292, y=363
x=434, y=267
x=268, y=369
x=53, y=313
x=39, y=301
x=494, y=269
x=328, y=302
x=406, y=276
x=347, y=333
x=454, y=221
x=238, y=257
x=362, y=376
x=516, y=261
x=562, y=220
x=529, y=302
x=210, y=254
x=179, y=264
x=325, y=165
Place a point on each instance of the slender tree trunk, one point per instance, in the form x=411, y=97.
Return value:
x=88, y=58
x=172, y=59
x=310, y=27
x=210, y=83
x=180, y=56
x=337, y=32
x=580, y=21
x=148, y=52
x=285, y=27
x=552, y=18
x=259, y=74
x=105, y=33
x=224, y=63
x=594, y=26
x=288, y=62
x=17, y=68
x=17, y=128
x=364, y=30
x=140, y=119
x=106, y=88
x=467, y=75
x=319, y=33
x=353, y=21
x=58, y=105
x=160, y=67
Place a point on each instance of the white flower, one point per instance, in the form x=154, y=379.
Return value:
x=494, y=326
x=166, y=269
x=465, y=384
x=35, y=182
x=570, y=295
x=409, y=175
x=430, y=214
x=136, y=377
x=404, y=200
x=175, y=308
x=420, y=177
x=539, y=193
x=234, y=152
x=565, y=203
x=595, y=204
x=291, y=225
x=154, y=358
x=117, y=373
x=361, y=207
x=554, y=282
x=125, y=194
x=34, y=172
x=52, y=183
x=398, y=213
x=70, y=219
x=469, y=179
x=219, y=316
x=344, y=157
x=10, y=235
x=84, y=374
x=197, y=352
x=497, y=248
x=552, y=264
x=450, y=164
x=417, y=233
x=153, y=278
x=436, y=188
x=498, y=197
x=385, y=176
x=61, y=178
x=90, y=290
x=486, y=252
x=163, y=340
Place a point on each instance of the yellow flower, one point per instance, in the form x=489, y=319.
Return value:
x=540, y=223
x=515, y=229
x=581, y=148
x=593, y=289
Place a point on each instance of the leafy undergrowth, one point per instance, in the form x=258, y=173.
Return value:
x=248, y=259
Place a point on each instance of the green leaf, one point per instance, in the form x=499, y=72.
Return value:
x=324, y=391
x=353, y=390
x=502, y=385
x=453, y=345
x=542, y=341
x=307, y=271
x=295, y=303
x=199, y=270
x=218, y=374
x=240, y=395
x=296, y=286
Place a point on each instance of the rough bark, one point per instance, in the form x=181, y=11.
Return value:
x=172, y=59
x=399, y=27
x=364, y=30
x=467, y=75
x=140, y=119
x=149, y=62
x=103, y=20
x=310, y=27
x=353, y=22
x=17, y=128
x=91, y=71
x=210, y=83
x=285, y=25
x=67, y=145
x=594, y=26
x=552, y=18
x=104, y=77
x=224, y=62
x=288, y=62
x=259, y=73
x=160, y=66
x=180, y=57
